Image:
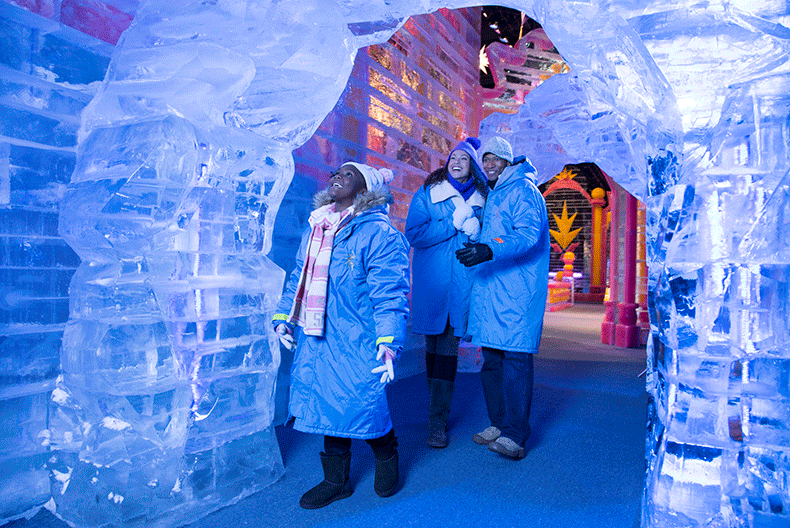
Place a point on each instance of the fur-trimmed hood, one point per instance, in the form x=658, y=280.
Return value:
x=363, y=202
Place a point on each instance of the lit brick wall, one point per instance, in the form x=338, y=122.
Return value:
x=407, y=103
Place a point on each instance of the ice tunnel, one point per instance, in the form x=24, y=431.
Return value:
x=164, y=409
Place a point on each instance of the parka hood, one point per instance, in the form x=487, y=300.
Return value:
x=519, y=171
x=363, y=202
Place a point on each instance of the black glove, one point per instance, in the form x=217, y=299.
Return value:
x=474, y=254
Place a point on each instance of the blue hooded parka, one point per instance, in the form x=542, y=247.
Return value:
x=442, y=285
x=333, y=391
x=509, y=292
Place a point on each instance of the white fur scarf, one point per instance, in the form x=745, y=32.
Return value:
x=463, y=216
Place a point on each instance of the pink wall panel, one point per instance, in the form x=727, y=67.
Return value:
x=45, y=8
x=92, y=17
x=97, y=19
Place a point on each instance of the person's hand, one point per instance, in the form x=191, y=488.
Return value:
x=286, y=336
x=386, y=355
x=474, y=254
x=471, y=228
x=462, y=211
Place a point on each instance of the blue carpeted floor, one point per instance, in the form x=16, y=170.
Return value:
x=584, y=467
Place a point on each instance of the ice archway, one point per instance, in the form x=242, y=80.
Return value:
x=185, y=153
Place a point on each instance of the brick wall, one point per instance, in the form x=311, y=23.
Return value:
x=408, y=102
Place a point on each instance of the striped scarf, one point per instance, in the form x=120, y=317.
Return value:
x=309, y=307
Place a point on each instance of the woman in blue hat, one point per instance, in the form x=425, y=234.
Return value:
x=444, y=213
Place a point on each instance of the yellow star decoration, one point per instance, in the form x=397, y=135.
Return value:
x=566, y=174
x=564, y=236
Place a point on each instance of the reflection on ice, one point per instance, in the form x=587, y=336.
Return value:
x=163, y=410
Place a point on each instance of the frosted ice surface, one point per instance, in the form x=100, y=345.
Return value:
x=164, y=409
x=615, y=106
x=164, y=406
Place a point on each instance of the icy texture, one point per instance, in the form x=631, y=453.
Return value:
x=698, y=129
x=615, y=107
x=164, y=410
x=45, y=70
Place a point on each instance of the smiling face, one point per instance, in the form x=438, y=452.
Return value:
x=458, y=165
x=344, y=185
x=493, y=166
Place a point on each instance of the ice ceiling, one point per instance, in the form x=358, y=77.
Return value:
x=185, y=154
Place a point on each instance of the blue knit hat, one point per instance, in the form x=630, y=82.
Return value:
x=470, y=146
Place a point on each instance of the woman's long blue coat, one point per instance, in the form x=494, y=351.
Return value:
x=441, y=284
x=509, y=291
x=333, y=391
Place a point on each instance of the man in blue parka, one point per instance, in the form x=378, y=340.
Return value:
x=348, y=293
x=509, y=294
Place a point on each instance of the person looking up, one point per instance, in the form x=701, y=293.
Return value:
x=348, y=294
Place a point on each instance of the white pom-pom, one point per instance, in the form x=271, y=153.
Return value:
x=387, y=175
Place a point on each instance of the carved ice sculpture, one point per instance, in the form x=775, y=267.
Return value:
x=167, y=360
x=164, y=409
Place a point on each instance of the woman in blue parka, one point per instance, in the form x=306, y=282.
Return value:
x=348, y=293
x=509, y=294
x=444, y=213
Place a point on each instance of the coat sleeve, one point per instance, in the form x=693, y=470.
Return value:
x=287, y=298
x=387, y=277
x=529, y=218
x=422, y=230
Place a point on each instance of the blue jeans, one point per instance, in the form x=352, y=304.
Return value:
x=507, y=387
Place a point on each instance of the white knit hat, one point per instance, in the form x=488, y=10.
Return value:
x=374, y=178
x=498, y=147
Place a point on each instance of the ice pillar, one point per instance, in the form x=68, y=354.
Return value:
x=718, y=279
x=717, y=192
x=164, y=409
x=719, y=356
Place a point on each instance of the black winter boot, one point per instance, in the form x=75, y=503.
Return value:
x=385, y=482
x=335, y=485
x=440, y=394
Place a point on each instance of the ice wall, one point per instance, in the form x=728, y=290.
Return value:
x=164, y=408
x=46, y=74
x=719, y=355
x=186, y=149
x=699, y=131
